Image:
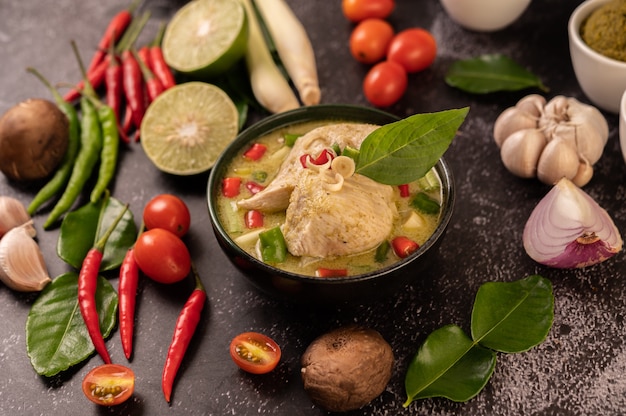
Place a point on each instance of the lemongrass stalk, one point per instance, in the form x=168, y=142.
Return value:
x=293, y=46
x=269, y=86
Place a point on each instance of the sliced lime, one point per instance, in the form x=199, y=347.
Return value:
x=187, y=127
x=206, y=37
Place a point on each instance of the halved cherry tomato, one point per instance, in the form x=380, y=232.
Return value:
x=253, y=219
x=255, y=152
x=230, y=187
x=109, y=384
x=385, y=83
x=358, y=10
x=255, y=353
x=403, y=246
x=415, y=49
x=162, y=256
x=370, y=40
x=168, y=212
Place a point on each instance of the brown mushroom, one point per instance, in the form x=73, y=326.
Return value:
x=346, y=368
x=33, y=139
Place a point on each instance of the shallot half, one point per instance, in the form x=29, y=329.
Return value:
x=568, y=229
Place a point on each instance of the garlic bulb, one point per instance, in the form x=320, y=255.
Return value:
x=22, y=266
x=568, y=229
x=574, y=135
x=13, y=214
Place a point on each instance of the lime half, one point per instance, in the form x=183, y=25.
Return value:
x=187, y=127
x=206, y=37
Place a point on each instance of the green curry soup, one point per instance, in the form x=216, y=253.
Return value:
x=264, y=170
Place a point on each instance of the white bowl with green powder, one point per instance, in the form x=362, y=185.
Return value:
x=596, y=57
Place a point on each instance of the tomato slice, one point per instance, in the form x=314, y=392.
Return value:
x=255, y=353
x=109, y=384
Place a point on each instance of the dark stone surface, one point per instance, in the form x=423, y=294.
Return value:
x=578, y=370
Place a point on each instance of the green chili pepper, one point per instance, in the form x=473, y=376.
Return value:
x=110, y=148
x=290, y=138
x=273, y=246
x=88, y=155
x=62, y=175
x=381, y=251
x=425, y=204
x=350, y=152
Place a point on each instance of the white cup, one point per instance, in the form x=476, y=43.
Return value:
x=484, y=15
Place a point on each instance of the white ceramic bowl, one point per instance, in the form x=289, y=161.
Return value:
x=602, y=79
x=484, y=15
x=622, y=125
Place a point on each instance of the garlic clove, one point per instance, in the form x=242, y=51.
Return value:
x=591, y=130
x=532, y=104
x=510, y=121
x=13, y=214
x=22, y=266
x=558, y=160
x=584, y=174
x=568, y=229
x=521, y=151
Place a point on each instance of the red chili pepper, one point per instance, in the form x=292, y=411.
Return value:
x=160, y=68
x=230, y=186
x=324, y=156
x=87, y=285
x=153, y=85
x=127, y=289
x=253, y=219
x=113, y=83
x=255, y=152
x=254, y=187
x=183, y=332
x=112, y=33
x=404, y=190
x=133, y=87
x=324, y=272
x=403, y=246
x=96, y=79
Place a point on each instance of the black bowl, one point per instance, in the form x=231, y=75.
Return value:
x=313, y=290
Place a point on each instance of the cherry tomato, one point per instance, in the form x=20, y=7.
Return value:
x=385, y=83
x=415, y=49
x=370, y=40
x=162, y=256
x=254, y=352
x=168, y=212
x=358, y=10
x=109, y=384
x=403, y=246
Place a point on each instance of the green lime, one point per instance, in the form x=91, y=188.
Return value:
x=187, y=127
x=206, y=37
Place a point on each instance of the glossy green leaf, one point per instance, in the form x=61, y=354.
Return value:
x=56, y=335
x=83, y=227
x=406, y=150
x=491, y=73
x=513, y=316
x=449, y=364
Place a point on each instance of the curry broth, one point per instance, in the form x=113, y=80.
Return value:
x=265, y=169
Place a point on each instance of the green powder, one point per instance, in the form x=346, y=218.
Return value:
x=605, y=30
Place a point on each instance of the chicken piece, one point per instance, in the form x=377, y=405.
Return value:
x=275, y=197
x=324, y=221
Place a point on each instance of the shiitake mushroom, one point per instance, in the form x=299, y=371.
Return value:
x=346, y=368
x=34, y=136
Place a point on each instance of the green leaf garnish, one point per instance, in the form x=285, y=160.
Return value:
x=491, y=73
x=507, y=317
x=81, y=228
x=56, y=335
x=406, y=150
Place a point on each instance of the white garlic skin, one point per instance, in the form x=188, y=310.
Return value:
x=13, y=214
x=22, y=266
x=579, y=130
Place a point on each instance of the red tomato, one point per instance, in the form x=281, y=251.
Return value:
x=370, y=40
x=358, y=10
x=168, y=212
x=254, y=352
x=109, y=384
x=162, y=256
x=415, y=49
x=385, y=83
x=403, y=246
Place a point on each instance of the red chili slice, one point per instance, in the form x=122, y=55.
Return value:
x=254, y=187
x=253, y=219
x=325, y=272
x=404, y=190
x=403, y=246
x=230, y=187
x=255, y=152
